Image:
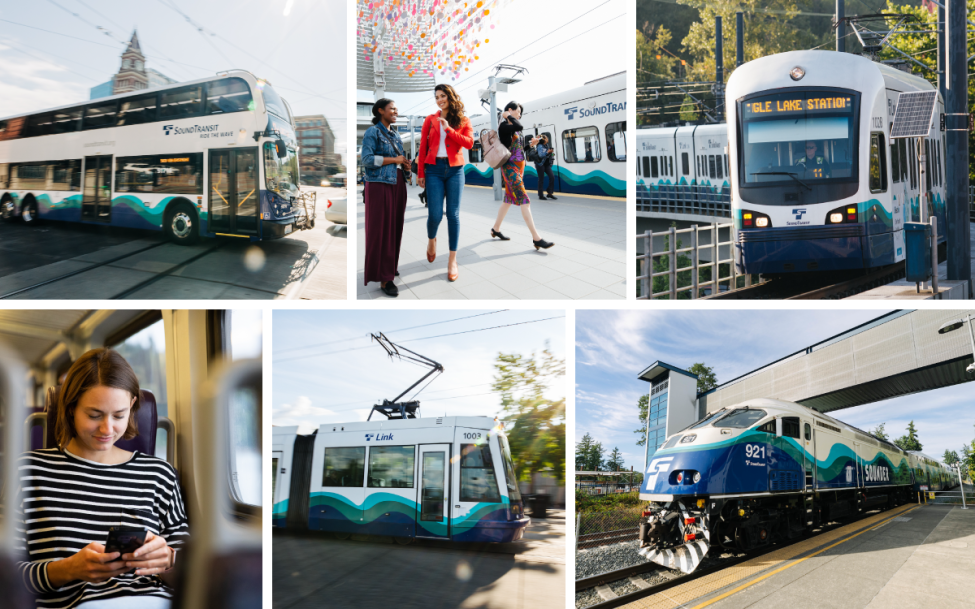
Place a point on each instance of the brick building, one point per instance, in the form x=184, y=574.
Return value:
x=316, y=154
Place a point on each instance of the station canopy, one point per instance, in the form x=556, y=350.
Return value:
x=406, y=44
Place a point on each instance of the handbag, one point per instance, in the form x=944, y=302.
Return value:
x=407, y=173
x=495, y=154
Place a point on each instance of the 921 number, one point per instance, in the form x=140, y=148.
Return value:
x=756, y=451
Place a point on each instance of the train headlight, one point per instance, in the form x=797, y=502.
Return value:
x=680, y=477
x=688, y=439
x=753, y=219
x=797, y=73
x=836, y=218
x=697, y=477
x=843, y=215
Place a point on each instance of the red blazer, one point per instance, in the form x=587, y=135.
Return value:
x=456, y=140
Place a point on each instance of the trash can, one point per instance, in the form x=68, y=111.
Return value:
x=539, y=504
x=917, y=241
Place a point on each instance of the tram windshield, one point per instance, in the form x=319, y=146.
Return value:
x=509, y=470
x=798, y=138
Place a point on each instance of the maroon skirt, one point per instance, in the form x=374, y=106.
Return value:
x=385, y=210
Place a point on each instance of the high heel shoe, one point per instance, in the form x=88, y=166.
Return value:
x=498, y=234
x=433, y=256
x=542, y=244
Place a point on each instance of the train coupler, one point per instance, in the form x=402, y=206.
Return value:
x=675, y=539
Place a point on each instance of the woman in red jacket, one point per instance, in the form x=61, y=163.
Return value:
x=441, y=169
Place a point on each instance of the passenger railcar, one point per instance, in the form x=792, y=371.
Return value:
x=445, y=478
x=694, y=155
x=816, y=182
x=586, y=127
x=767, y=470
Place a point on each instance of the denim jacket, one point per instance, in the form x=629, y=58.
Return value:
x=376, y=147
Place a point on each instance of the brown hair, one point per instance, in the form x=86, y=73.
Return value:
x=543, y=138
x=455, y=107
x=98, y=367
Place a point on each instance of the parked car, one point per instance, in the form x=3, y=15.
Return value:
x=335, y=211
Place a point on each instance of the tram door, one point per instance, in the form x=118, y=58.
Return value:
x=234, y=199
x=549, y=132
x=96, y=200
x=433, y=509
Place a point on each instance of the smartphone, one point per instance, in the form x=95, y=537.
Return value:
x=124, y=539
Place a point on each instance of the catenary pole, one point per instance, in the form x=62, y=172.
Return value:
x=739, y=38
x=840, y=27
x=958, y=229
x=719, y=67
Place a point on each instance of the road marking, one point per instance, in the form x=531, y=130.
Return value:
x=564, y=194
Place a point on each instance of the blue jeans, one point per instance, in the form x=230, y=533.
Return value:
x=442, y=181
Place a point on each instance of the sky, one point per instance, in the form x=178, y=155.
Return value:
x=563, y=43
x=53, y=51
x=613, y=347
x=326, y=369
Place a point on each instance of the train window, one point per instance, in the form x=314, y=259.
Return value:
x=646, y=167
x=895, y=163
x=719, y=167
x=878, y=163
x=477, y=153
x=391, y=466
x=145, y=350
x=767, y=427
x=912, y=154
x=790, y=427
x=228, y=95
x=902, y=153
x=670, y=166
x=581, y=145
x=616, y=141
x=808, y=431
x=927, y=164
x=344, y=466
x=712, y=173
x=274, y=476
x=138, y=110
x=246, y=342
x=639, y=171
x=709, y=419
x=685, y=163
x=653, y=167
x=511, y=479
x=48, y=175
x=477, y=481
x=167, y=174
x=741, y=418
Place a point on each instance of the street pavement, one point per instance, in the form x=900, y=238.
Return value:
x=588, y=260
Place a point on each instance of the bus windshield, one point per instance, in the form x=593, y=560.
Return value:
x=281, y=173
x=798, y=138
x=273, y=102
x=509, y=470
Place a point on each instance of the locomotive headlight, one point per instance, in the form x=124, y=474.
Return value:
x=688, y=439
x=697, y=477
x=836, y=218
x=797, y=73
x=761, y=222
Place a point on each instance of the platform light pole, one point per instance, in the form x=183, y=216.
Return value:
x=962, y=485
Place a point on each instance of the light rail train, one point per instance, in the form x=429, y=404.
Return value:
x=586, y=127
x=444, y=478
x=675, y=159
x=769, y=470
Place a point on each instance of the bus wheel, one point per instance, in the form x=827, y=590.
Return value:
x=181, y=224
x=404, y=541
x=28, y=211
x=7, y=209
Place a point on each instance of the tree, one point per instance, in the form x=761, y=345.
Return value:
x=589, y=454
x=535, y=425
x=951, y=457
x=688, y=110
x=615, y=462
x=643, y=405
x=879, y=432
x=706, y=380
x=909, y=441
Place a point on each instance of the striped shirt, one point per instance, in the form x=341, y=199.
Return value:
x=68, y=502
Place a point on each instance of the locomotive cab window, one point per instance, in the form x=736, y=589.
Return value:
x=741, y=418
x=808, y=431
x=711, y=418
x=790, y=427
x=878, y=164
x=344, y=466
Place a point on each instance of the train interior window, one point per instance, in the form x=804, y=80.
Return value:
x=138, y=110
x=646, y=167
x=790, y=427
x=685, y=163
x=616, y=141
x=229, y=95
x=927, y=165
x=145, y=350
x=581, y=145
x=169, y=174
x=344, y=466
x=654, y=167
x=476, y=153
x=181, y=103
x=46, y=175
x=246, y=342
x=895, y=162
x=391, y=466
x=477, y=480
x=100, y=115
x=878, y=163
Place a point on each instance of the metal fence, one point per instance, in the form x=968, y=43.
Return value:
x=694, y=200
x=703, y=267
x=599, y=528
x=971, y=203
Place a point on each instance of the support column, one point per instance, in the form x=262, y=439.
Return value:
x=719, y=68
x=958, y=229
x=739, y=38
x=840, y=27
x=493, y=86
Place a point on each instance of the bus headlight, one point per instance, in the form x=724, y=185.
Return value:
x=836, y=218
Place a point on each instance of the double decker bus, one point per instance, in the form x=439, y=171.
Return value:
x=212, y=157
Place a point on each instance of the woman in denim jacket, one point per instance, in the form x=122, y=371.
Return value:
x=384, y=161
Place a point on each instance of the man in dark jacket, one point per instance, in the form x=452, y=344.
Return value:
x=544, y=158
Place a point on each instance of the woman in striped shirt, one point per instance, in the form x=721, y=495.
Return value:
x=71, y=495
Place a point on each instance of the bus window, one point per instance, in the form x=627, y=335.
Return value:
x=138, y=110
x=391, y=466
x=616, y=141
x=581, y=145
x=101, y=115
x=49, y=175
x=477, y=481
x=59, y=121
x=181, y=103
x=344, y=466
x=229, y=95
x=170, y=174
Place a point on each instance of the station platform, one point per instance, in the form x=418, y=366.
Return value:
x=911, y=556
x=907, y=290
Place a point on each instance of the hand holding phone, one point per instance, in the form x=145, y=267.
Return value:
x=125, y=540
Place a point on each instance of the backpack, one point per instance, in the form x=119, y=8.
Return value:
x=495, y=154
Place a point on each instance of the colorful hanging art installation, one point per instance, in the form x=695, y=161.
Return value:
x=425, y=37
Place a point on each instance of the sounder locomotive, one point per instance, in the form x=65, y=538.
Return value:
x=768, y=470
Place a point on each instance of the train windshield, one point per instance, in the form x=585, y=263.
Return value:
x=708, y=419
x=509, y=470
x=741, y=418
x=798, y=139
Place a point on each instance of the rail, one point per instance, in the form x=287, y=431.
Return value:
x=688, y=200
x=669, y=270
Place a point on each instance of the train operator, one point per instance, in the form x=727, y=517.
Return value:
x=814, y=166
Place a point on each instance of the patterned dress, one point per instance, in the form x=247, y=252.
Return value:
x=512, y=172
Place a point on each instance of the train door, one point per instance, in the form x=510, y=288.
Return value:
x=433, y=507
x=96, y=200
x=859, y=464
x=234, y=198
x=548, y=131
x=474, y=483
x=808, y=459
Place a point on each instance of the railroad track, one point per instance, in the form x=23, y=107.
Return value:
x=815, y=288
x=594, y=540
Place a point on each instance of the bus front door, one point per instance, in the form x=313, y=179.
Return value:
x=234, y=198
x=433, y=516
x=96, y=200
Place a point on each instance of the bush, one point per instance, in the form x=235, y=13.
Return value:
x=603, y=503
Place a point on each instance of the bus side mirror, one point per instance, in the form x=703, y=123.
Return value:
x=282, y=148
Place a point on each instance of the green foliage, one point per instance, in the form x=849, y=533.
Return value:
x=706, y=380
x=615, y=461
x=643, y=405
x=605, y=503
x=951, y=457
x=535, y=425
x=879, y=432
x=589, y=454
x=909, y=441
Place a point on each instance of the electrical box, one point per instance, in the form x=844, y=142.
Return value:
x=917, y=239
